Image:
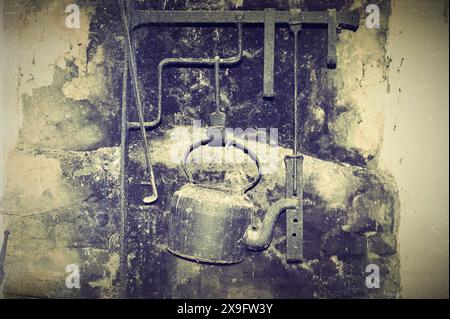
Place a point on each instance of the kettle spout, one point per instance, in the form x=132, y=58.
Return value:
x=260, y=238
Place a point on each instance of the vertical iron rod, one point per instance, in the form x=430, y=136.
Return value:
x=269, y=52
x=296, y=30
x=123, y=280
x=3, y=256
x=135, y=79
x=217, y=78
x=294, y=217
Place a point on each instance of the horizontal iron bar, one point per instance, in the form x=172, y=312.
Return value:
x=345, y=19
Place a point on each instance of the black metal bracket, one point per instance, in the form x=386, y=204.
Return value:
x=270, y=18
x=294, y=217
x=332, y=39
x=3, y=256
x=269, y=53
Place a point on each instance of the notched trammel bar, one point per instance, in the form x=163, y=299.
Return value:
x=294, y=217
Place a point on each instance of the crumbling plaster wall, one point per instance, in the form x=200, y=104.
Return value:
x=60, y=200
x=9, y=109
x=415, y=147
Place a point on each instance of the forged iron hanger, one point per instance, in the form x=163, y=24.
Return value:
x=138, y=100
x=270, y=18
x=3, y=256
x=332, y=19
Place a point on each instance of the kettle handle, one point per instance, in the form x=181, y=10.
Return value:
x=234, y=143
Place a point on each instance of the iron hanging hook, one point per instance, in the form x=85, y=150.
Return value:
x=3, y=255
x=134, y=77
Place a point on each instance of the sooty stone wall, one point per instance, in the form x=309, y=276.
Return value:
x=61, y=199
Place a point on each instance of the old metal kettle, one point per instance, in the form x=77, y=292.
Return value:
x=214, y=225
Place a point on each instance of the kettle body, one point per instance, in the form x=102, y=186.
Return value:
x=213, y=225
x=209, y=225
